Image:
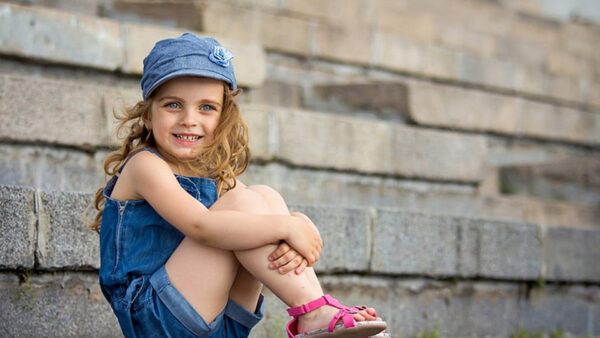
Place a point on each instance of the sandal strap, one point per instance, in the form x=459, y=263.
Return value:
x=315, y=304
x=346, y=313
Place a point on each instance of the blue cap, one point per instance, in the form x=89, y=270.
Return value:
x=187, y=55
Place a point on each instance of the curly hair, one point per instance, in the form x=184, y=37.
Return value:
x=223, y=159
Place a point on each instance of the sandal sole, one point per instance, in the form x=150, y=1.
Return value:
x=361, y=330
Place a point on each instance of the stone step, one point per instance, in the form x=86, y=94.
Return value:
x=490, y=278
x=88, y=41
x=294, y=136
x=63, y=169
x=438, y=105
x=564, y=70
x=43, y=230
x=572, y=179
x=61, y=302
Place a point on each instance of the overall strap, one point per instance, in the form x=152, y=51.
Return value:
x=137, y=151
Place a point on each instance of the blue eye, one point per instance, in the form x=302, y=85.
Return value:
x=172, y=105
x=207, y=107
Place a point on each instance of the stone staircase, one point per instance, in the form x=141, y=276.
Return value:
x=456, y=166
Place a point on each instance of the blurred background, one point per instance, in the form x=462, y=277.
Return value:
x=448, y=150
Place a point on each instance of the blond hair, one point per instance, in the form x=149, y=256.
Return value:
x=223, y=159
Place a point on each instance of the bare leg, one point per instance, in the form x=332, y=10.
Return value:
x=188, y=271
x=292, y=289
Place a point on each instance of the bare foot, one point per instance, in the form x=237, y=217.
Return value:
x=320, y=318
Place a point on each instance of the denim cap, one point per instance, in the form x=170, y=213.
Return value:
x=187, y=55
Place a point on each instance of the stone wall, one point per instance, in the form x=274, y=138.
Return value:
x=450, y=147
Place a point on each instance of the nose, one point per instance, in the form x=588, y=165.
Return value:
x=189, y=118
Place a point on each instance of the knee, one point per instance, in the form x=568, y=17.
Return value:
x=242, y=199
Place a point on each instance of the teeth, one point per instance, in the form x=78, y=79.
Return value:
x=187, y=137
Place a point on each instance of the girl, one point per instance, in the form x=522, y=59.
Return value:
x=185, y=247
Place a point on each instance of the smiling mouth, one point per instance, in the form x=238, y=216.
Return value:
x=189, y=138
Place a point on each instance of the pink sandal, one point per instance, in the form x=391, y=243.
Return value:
x=349, y=328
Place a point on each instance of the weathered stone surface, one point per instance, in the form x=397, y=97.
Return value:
x=17, y=227
x=260, y=128
x=51, y=168
x=64, y=240
x=115, y=101
x=41, y=108
x=574, y=179
x=55, y=305
x=432, y=104
x=31, y=32
x=386, y=100
x=572, y=254
x=507, y=250
x=412, y=243
x=185, y=14
x=435, y=154
x=346, y=234
x=329, y=141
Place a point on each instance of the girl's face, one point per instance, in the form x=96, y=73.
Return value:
x=185, y=113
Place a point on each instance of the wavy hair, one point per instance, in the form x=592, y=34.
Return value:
x=223, y=159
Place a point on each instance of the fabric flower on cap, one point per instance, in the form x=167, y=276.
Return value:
x=220, y=55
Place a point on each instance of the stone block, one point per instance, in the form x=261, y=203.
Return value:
x=185, y=14
x=416, y=25
x=386, y=100
x=17, y=227
x=572, y=179
x=462, y=309
x=414, y=244
x=346, y=234
x=64, y=240
x=347, y=44
x=432, y=104
x=57, y=305
x=329, y=141
x=568, y=308
x=49, y=168
x=441, y=62
x=277, y=93
x=572, y=254
x=434, y=154
x=464, y=38
x=28, y=117
x=560, y=123
x=507, y=250
x=398, y=53
x=259, y=126
x=30, y=32
x=286, y=33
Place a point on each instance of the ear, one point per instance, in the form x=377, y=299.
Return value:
x=147, y=122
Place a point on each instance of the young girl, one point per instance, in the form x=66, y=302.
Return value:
x=185, y=247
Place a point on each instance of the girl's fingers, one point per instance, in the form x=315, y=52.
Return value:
x=285, y=259
x=281, y=249
x=291, y=265
x=300, y=269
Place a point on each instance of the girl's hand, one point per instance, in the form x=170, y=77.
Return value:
x=286, y=259
x=304, y=237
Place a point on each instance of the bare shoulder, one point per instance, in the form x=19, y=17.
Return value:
x=141, y=168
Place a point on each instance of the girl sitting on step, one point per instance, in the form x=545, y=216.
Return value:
x=185, y=246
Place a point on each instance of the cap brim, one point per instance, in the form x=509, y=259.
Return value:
x=187, y=72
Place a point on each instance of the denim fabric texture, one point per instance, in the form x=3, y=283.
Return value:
x=187, y=55
x=135, y=243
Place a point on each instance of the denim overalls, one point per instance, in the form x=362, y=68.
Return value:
x=135, y=244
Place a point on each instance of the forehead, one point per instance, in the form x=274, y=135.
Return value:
x=191, y=86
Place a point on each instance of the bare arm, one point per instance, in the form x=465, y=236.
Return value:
x=230, y=230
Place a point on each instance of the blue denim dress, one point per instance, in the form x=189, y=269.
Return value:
x=135, y=244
